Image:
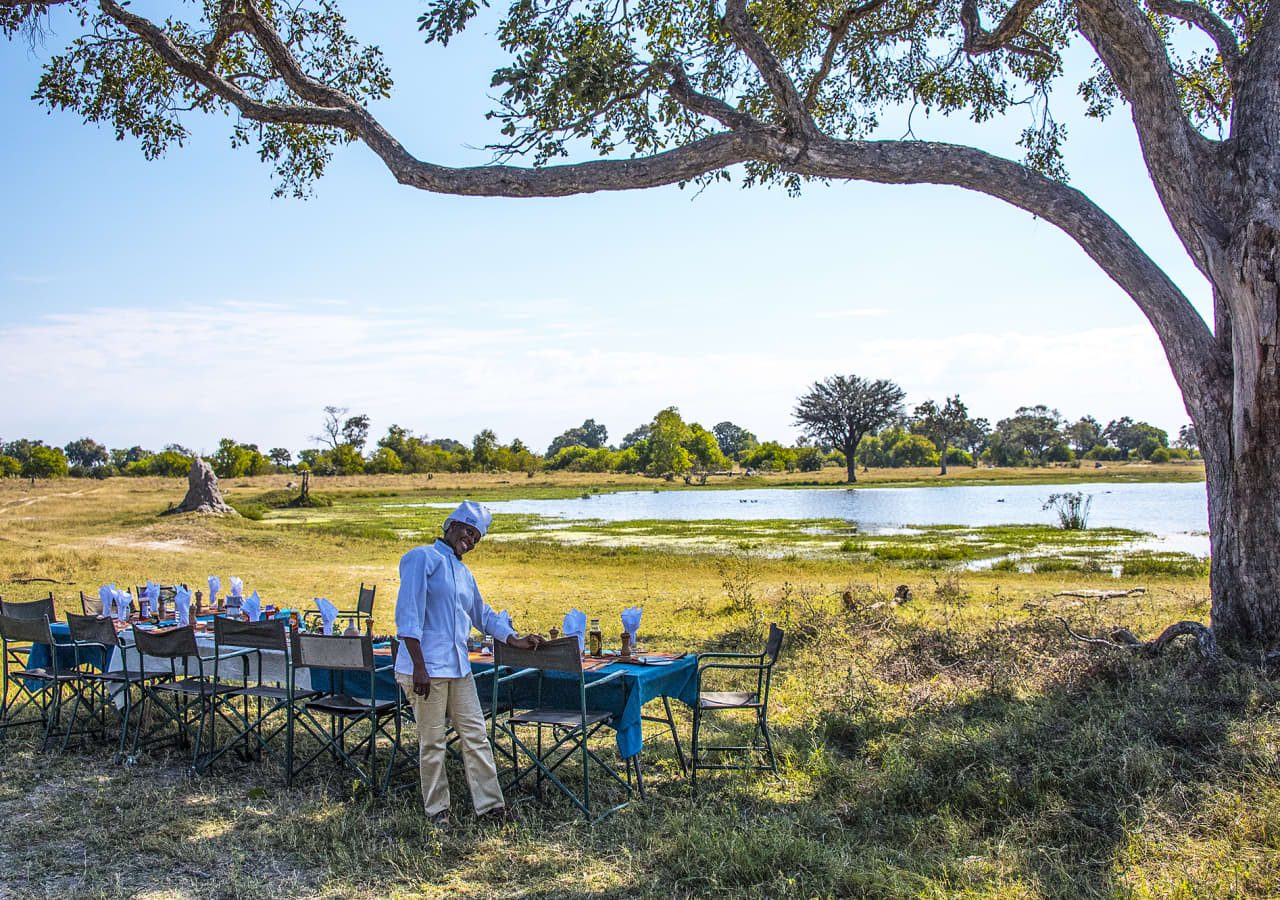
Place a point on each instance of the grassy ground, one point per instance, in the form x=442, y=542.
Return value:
x=955, y=745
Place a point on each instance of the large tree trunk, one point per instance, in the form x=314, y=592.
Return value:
x=944, y=459
x=850, y=464
x=1241, y=445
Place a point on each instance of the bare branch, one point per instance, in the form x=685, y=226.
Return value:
x=1207, y=21
x=703, y=104
x=978, y=40
x=1123, y=639
x=738, y=23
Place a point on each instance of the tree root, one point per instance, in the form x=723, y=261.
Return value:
x=1124, y=639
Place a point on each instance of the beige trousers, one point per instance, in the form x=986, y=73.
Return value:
x=455, y=698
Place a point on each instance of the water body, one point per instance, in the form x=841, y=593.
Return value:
x=1176, y=513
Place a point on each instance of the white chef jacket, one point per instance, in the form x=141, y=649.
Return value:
x=438, y=604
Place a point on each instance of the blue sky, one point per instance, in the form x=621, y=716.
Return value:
x=177, y=301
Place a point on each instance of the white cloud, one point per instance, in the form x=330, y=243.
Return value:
x=860, y=313
x=262, y=372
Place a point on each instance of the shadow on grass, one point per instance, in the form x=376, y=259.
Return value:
x=995, y=793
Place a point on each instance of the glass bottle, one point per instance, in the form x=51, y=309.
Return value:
x=595, y=640
x=626, y=644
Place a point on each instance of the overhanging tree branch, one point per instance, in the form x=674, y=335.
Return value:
x=1194, y=356
x=1177, y=155
x=839, y=31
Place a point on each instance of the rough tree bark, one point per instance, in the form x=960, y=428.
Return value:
x=1220, y=197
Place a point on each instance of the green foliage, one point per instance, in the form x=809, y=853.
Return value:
x=668, y=434
x=914, y=450
x=45, y=462
x=346, y=460
x=590, y=434
x=166, y=464
x=384, y=461
x=771, y=457
x=86, y=452
x=9, y=465
x=110, y=75
x=235, y=460
x=734, y=440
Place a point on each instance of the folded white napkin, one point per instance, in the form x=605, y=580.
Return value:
x=237, y=587
x=124, y=600
x=107, y=594
x=575, y=623
x=150, y=598
x=182, y=605
x=631, y=621
x=328, y=614
x=252, y=607
x=215, y=585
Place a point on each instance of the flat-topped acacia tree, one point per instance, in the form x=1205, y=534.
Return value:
x=672, y=91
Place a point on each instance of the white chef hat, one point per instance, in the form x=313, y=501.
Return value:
x=469, y=512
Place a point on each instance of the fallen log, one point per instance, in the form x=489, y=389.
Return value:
x=1101, y=595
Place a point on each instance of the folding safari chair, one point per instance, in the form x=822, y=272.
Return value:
x=261, y=712
x=760, y=750
x=189, y=702
x=333, y=719
x=95, y=644
x=40, y=689
x=571, y=729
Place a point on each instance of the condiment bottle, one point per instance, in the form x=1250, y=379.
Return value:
x=554, y=632
x=293, y=620
x=595, y=640
x=626, y=644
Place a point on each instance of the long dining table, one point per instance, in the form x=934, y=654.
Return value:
x=661, y=679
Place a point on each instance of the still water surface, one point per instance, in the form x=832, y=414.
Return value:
x=1161, y=509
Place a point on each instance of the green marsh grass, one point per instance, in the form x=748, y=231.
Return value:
x=957, y=744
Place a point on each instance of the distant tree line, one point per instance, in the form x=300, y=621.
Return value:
x=846, y=421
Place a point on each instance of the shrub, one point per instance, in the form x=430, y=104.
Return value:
x=1072, y=508
x=1161, y=455
x=9, y=465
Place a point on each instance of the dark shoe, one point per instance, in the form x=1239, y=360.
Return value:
x=441, y=819
x=500, y=815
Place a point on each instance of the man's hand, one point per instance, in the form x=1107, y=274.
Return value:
x=421, y=682
x=525, y=642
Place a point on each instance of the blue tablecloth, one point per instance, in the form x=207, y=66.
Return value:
x=624, y=698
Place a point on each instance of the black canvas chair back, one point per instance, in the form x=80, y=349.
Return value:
x=90, y=605
x=560, y=655
x=26, y=630
x=31, y=609
x=177, y=643
x=364, y=603
x=773, y=646
x=92, y=630
x=333, y=651
x=268, y=635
